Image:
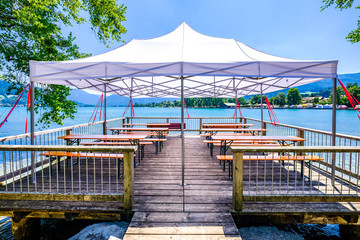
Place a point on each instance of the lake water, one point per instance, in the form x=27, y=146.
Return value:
x=347, y=121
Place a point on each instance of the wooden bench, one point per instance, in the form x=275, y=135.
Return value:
x=54, y=156
x=143, y=142
x=302, y=158
x=176, y=126
x=258, y=143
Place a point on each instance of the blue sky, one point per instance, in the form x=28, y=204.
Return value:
x=286, y=28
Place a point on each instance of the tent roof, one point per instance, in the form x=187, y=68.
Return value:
x=210, y=66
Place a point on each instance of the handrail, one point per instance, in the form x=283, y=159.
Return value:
x=67, y=148
x=297, y=149
x=8, y=138
x=309, y=129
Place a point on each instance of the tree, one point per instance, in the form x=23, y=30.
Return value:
x=316, y=100
x=339, y=93
x=293, y=96
x=341, y=98
x=35, y=30
x=256, y=99
x=280, y=99
x=353, y=36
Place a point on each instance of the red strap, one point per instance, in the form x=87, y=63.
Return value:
x=95, y=110
x=351, y=99
x=186, y=109
x=27, y=108
x=17, y=99
x=272, y=115
x=237, y=101
x=102, y=97
x=132, y=109
x=126, y=109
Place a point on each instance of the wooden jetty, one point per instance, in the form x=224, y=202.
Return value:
x=164, y=209
x=202, y=209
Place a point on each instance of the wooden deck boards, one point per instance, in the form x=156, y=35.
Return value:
x=167, y=210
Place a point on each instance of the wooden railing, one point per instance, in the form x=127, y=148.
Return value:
x=292, y=180
x=50, y=137
x=95, y=177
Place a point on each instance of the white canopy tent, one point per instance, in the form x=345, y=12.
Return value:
x=183, y=63
x=210, y=66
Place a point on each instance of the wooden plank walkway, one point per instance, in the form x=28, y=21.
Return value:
x=167, y=210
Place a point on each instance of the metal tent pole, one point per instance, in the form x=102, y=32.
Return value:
x=235, y=99
x=261, y=102
x=32, y=130
x=333, y=137
x=236, y=114
x=182, y=133
x=105, y=113
x=131, y=102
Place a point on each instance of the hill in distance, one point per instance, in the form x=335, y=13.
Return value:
x=83, y=97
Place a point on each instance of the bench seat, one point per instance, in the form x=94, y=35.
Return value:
x=303, y=158
x=271, y=158
x=112, y=143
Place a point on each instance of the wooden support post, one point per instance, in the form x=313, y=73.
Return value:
x=68, y=132
x=25, y=228
x=167, y=120
x=123, y=122
x=128, y=180
x=245, y=120
x=301, y=134
x=241, y=119
x=264, y=127
x=238, y=181
x=200, y=126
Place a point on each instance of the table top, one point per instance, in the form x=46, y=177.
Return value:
x=138, y=129
x=132, y=136
x=147, y=124
x=218, y=125
x=258, y=138
x=233, y=130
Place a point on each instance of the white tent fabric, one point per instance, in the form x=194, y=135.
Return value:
x=210, y=66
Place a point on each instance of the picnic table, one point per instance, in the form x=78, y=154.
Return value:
x=226, y=125
x=214, y=131
x=133, y=138
x=149, y=125
x=159, y=131
x=227, y=140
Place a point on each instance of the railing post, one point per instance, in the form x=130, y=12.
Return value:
x=264, y=127
x=68, y=132
x=301, y=134
x=167, y=120
x=128, y=179
x=127, y=120
x=245, y=120
x=200, y=125
x=123, y=122
x=238, y=181
x=241, y=119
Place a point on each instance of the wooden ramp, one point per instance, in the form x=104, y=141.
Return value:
x=166, y=210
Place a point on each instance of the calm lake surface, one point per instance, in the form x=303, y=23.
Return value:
x=347, y=120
